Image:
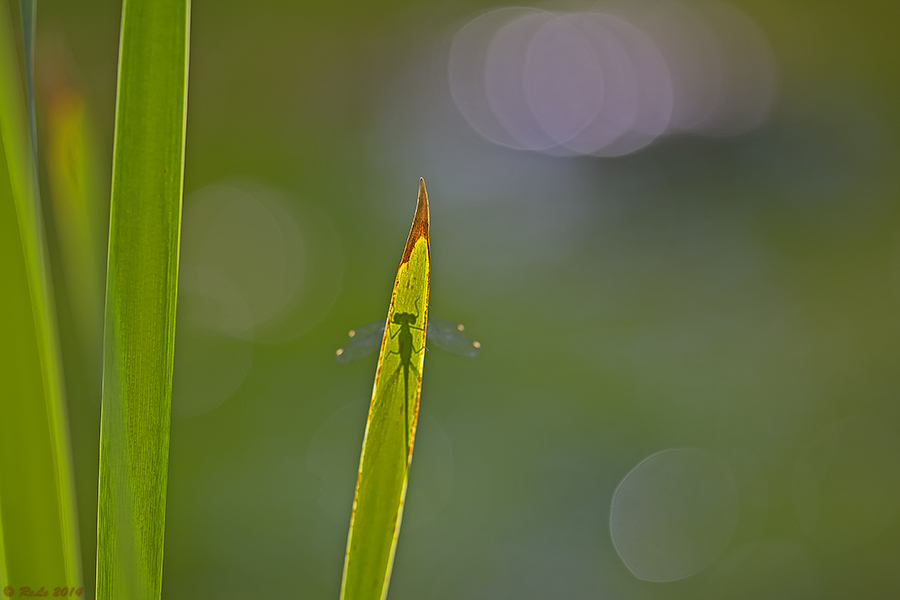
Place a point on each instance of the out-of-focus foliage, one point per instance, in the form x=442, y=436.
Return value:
x=725, y=303
x=72, y=168
x=38, y=526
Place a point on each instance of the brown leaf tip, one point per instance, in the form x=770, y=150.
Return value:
x=420, y=222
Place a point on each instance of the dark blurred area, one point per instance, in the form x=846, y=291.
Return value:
x=673, y=226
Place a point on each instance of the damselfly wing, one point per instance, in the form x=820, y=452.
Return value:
x=446, y=335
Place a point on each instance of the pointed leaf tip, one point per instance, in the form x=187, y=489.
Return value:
x=420, y=222
x=422, y=210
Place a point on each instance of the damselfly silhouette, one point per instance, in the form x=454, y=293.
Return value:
x=448, y=336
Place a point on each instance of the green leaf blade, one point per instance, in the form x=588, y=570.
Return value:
x=145, y=221
x=391, y=426
x=38, y=528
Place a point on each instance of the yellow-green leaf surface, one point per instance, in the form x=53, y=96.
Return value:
x=391, y=427
x=142, y=275
x=38, y=530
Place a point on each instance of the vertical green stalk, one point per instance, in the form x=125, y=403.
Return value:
x=38, y=528
x=141, y=287
x=391, y=426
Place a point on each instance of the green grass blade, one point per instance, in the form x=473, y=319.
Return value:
x=29, y=27
x=142, y=275
x=391, y=426
x=38, y=527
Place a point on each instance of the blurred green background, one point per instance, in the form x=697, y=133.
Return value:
x=711, y=321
